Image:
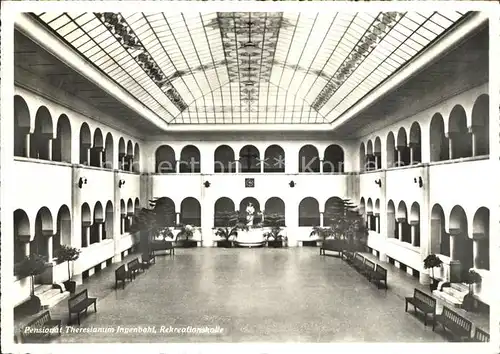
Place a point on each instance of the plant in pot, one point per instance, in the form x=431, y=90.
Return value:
x=322, y=232
x=183, y=238
x=471, y=278
x=68, y=254
x=30, y=267
x=430, y=262
x=229, y=232
x=274, y=237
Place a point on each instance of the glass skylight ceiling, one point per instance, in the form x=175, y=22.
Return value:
x=244, y=68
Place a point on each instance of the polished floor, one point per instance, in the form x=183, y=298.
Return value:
x=245, y=295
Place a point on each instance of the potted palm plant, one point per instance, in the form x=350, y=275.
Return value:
x=30, y=267
x=183, y=238
x=430, y=262
x=274, y=237
x=228, y=232
x=68, y=254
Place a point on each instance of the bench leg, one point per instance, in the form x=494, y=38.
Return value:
x=406, y=306
x=95, y=306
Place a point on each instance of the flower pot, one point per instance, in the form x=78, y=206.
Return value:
x=33, y=305
x=275, y=244
x=70, y=285
x=224, y=244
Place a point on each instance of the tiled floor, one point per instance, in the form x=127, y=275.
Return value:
x=254, y=295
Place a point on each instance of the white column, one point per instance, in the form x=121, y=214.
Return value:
x=27, y=249
x=377, y=221
x=50, y=241
x=413, y=234
x=400, y=230
x=320, y=166
x=99, y=231
x=177, y=166
x=474, y=141
x=130, y=163
x=369, y=221
x=100, y=158
x=49, y=149
x=122, y=224
x=412, y=151
x=122, y=163
x=399, y=157
x=477, y=251
x=237, y=166
x=261, y=166
x=27, y=144
x=453, y=248
x=177, y=218
x=450, y=147
x=321, y=219
x=87, y=235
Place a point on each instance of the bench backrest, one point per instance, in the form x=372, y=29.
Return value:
x=133, y=263
x=76, y=299
x=40, y=320
x=420, y=295
x=359, y=257
x=463, y=325
x=369, y=264
x=481, y=336
x=120, y=272
x=381, y=270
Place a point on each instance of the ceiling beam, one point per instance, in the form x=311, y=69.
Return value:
x=429, y=55
x=55, y=46
x=249, y=127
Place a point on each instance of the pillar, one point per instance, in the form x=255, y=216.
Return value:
x=177, y=218
x=320, y=166
x=130, y=163
x=27, y=249
x=49, y=149
x=50, y=255
x=122, y=228
x=87, y=235
x=474, y=137
x=377, y=161
x=122, y=162
x=177, y=166
x=412, y=151
x=450, y=146
x=321, y=218
x=261, y=165
x=237, y=166
x=399, y=156
x=87, y=151
x=453, y=245
x=369, y=221
x=400, y=229
x=413, y=227
x=99, y=232
x=477, y=251
x=377, y=223
x=27, y=144
x=101, y=162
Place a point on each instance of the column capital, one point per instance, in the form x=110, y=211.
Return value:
x=477, y=236
x=401, y=219
x=414, y=222
x=455, y=232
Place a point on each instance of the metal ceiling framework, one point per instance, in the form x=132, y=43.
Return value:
x=249, y=67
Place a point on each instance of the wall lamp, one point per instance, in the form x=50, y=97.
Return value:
x=419, y=181
x=292, y=184
x=81, y=182
x=206, y=184
x=379, y=182
x=121, y=183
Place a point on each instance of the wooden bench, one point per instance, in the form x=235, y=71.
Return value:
x=134, y=266
x=348, y=256
x=122, y=274
x=42, y=326
x=332, y=245
x=459, y=327
x=163, y=246
x=358, y=262
x=480, y=336
x=368, y=268
x=79, y=303
x=148, y=259
x=379, y=275
x=424, y=303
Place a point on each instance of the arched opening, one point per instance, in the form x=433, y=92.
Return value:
x=403, y=232
x=458, y=134
x=402, y=150
x=440, y=239
x=370, y=157
x=309, y=160
x=439, y=142
x=390, y=150
x=44, y=230
x=137, y=205
x=275, y=206
x=481, y=126
x=22, y=237
x=415, y=224
x=224, y=161
x=333, y=206
x=481, y=238
x=362, y=209
x=136, y=166
x=96, y=152
x=461, y=247
x=165, y=159
x=391, y=220
x=61, y=146
x=249, y=159
x=333, y=160
x=362, y=157
x=108, y=223
x=415, y=144
x=129, y=158
x=191, y=212
x=41, y=138
x=63, y=231
x=97, y=226
x=244, y=204
x=166, y=207
x=274, y=159
x=109, y=152
x=22, y=124
x=222, y=205
x=370, y=217
x=190, y=160
x=86, y=224
x=376, y=213
x=121, y=154
x=85, y=144
x=309, y=212
x=377, y=151
x=123, y=216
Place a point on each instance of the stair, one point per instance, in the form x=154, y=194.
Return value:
x=50, y=296
x=453, y=295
